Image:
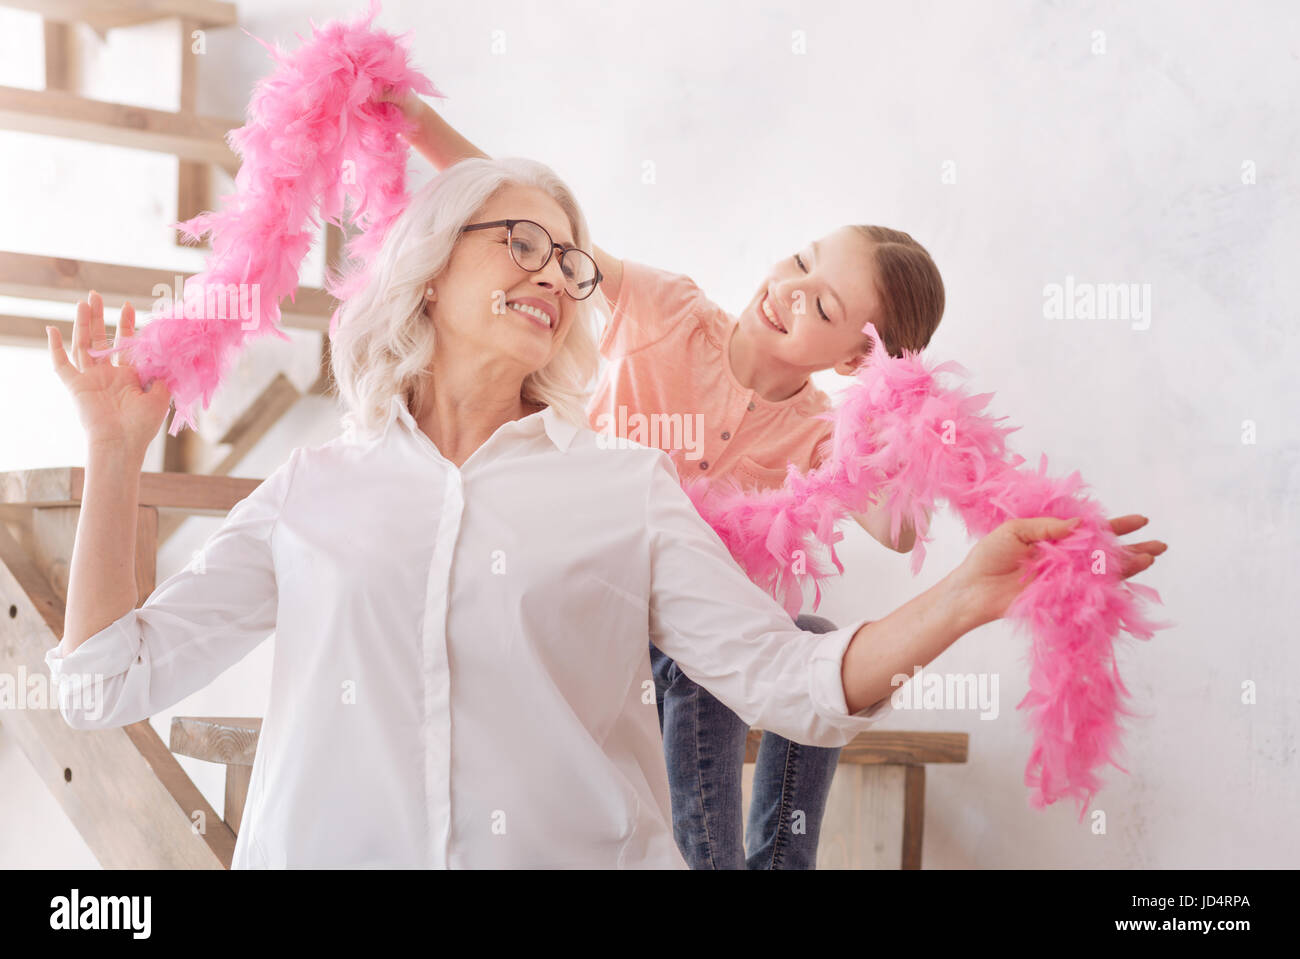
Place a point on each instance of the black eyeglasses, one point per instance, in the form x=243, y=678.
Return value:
x=531, y=248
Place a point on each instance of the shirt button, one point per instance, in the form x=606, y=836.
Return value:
x=751, y=406
x=704, y=464
x=726, y=435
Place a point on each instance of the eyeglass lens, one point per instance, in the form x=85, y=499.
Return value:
x=530, y=245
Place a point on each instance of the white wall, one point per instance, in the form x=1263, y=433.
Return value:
x=1122, y=166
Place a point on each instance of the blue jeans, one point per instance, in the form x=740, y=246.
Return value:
x=704, y=747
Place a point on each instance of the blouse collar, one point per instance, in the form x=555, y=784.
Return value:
x=560, y=431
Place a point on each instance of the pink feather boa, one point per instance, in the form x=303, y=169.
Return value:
x=904, y=440
x=316, y=135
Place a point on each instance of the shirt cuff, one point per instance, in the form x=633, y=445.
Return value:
x=828, y=682
x=109, y=652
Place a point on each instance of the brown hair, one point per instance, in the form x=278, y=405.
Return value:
x=910, y=287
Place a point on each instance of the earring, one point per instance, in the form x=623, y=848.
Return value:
x=428, y=291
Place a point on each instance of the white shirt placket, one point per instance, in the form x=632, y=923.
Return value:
x=437, y=672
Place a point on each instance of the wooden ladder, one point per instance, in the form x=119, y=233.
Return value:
x=121, y=788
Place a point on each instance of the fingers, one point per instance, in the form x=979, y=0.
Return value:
x=62, y=365
x=1124, y=525
x=1044, y=527
x=1135, y=564
x=125, y=329
x=98, y=339
x=1154, y=547
x=80, y=335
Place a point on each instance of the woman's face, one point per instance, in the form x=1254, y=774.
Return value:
x=821, y=296
x=478, y=294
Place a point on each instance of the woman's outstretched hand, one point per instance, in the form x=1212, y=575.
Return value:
x=991, y=573
x=113, y=405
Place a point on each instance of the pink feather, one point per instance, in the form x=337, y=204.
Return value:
x=316, y=135
x=907, y=442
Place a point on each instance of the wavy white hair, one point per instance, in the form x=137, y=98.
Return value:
x=384, y=342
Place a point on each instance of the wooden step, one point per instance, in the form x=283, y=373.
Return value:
x=36, y=277
x=58, y=113
x=105, y=15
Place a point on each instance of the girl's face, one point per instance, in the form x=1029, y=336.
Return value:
x=810, y=309
x=482, y=295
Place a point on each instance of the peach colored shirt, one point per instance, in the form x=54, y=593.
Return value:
x=669, y=384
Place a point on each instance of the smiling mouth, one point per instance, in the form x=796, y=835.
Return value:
x=538, y=316
x=765, y=310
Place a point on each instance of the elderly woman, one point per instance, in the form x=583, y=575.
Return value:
x=464, y=583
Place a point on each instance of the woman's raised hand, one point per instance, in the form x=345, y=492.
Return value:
x=992, y=570
x=113, y=405
x=409, y=103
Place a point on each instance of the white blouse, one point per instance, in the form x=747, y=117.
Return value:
x=461, y=676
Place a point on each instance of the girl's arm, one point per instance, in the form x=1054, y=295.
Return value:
x=442, y=145
x=876, y=521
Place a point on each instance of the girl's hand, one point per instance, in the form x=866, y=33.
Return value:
x=990, y=575
x=113, y=406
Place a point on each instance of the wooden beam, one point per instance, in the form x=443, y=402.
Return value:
x=324, y=382
x=105, y=15
x=122, y=789
x=231, y=742
x=193, y=192
x=216, y=739
x=262, y=413
x=64, y=485
x=886, y=747
x=60, y=73
x=36, y=277
x=58, y=113
x=181, y=455
x=29, y=331
x=913, y=815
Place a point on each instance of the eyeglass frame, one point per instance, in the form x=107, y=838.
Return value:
x=510, y=226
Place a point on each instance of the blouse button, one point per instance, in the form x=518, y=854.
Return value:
x=726, y=435
x=704, y=464
x=751, y=406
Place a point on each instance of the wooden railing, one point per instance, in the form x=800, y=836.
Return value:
x=874, y=816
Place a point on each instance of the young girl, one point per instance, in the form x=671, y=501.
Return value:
x=732, y=397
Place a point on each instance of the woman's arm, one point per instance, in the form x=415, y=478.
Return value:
x=733, y=639
x=978, y=591
x=442, y=145
x=134, y=662
x=101, y=581
x=120, y=420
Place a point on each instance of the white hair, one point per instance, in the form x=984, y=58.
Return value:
x=384, y=342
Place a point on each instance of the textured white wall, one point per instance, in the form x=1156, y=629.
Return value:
x=1105, y=142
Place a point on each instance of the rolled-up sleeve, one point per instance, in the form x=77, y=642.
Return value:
x=196, y=623
x=732, y=638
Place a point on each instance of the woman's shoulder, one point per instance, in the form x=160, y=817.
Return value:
x=616, y=459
